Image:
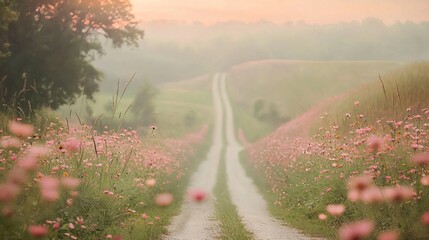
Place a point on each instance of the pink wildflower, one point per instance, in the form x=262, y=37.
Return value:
x=38, y=151
x=372, y=195
x=198, y=195
x=17, y=175
x=49, y=189
x=425, y=181
x=72, y=144
x=57, y=225
x=7, y=211
x=322, y=217
x=79, y=220
x=150, y=182
x=361, y=131
x=360, y=183
x=357, y=230
x=38, y=230
x=425, y=218
x=353, y=195
x=375, y=143
x=335, y=210
x=389, y=235
x=421, y=158
x=21, y=129
x=70, y=183
x=164, y=199
x=8, y=191
x=398, y=193
x=28, y=163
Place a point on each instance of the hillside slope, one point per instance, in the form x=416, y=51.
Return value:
x=289, y=88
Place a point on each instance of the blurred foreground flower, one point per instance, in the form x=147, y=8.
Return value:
x=357, y=230
x=49, y=189
x=335, y=210
x=150, y=182
x=197, y=195
x=164, y=199
x=421, y=158
x=389, y=235
x=38, y=230
x=374, y=143
x=21, y=129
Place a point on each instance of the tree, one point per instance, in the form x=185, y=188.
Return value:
x=6, y=16
x=52, y=44
x=143, y=108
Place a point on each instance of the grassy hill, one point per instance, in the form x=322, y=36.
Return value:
x=290, y=88
x=378, y=131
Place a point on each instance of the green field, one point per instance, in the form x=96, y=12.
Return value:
x=184, y=106
x=180, y=107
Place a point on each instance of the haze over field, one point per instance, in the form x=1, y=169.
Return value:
x=184, y=36
x=281, y=11
x=214, y=119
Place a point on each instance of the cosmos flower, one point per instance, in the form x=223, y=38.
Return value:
x=335, y=209
x=421, y=158
x=357, y=230
x=388, y=235
x=20, y=129
x=164, y=199
x=38, y=231
x=197, y=195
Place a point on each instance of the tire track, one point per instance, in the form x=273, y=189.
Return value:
x=196, y=220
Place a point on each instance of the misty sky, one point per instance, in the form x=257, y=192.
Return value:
x=280, y=11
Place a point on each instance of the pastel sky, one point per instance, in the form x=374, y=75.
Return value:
x=280, y=11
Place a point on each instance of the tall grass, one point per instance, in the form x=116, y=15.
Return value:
x=393, y=95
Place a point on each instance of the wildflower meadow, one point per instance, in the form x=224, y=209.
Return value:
x=59, y=182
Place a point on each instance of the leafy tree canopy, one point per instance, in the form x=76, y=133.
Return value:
x=52, y=44
x=6, y=16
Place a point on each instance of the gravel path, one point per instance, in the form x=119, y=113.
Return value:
x=244, y=194
x=196, y=220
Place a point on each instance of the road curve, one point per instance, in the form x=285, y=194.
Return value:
x=244, y=194
x=197, y=220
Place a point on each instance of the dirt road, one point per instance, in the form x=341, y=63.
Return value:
x=244, y=194
x=196, y=221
